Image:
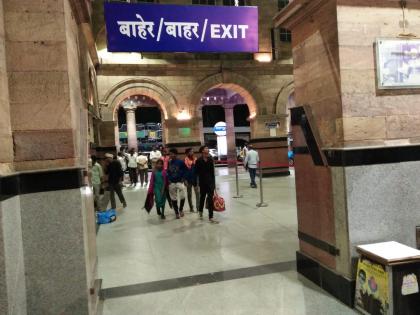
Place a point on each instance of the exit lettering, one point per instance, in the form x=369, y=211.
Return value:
x=231, y=31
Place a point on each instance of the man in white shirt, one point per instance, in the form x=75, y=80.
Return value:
x=143, y=166
x=251, y=163
x=132, y=167
x=155, y=155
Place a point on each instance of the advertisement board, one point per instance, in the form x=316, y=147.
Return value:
x=398, y=63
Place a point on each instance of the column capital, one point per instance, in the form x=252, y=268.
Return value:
x=130, y=108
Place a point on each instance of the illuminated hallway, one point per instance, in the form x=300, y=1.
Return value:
x=245, y=265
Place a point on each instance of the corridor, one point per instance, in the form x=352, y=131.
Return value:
x=244, y=265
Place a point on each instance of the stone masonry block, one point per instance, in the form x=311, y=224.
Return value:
x=33, y=6
x=41, y=26
x=39, y=87
x=364, y=128
x=37, y=56
x=43, y=145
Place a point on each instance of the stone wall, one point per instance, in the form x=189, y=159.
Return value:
x=372, y=116
x=316, y=70
x=180, y=87
x=6, y=153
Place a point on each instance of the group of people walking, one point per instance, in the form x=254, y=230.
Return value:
x=176, y=180
x=172, y=181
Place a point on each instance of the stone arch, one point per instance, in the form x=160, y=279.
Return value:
x=140, y=86
x=232, y=81
x=282, y=100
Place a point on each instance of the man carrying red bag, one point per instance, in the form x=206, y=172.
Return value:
x=204, y=168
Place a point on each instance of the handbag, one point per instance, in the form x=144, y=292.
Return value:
x=218, y=203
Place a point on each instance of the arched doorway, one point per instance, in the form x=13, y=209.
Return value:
x=229, y=89
x=139, y=116
x=224, y=105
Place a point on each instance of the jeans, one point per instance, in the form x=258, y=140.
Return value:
x=206, y=192
x=96, y=195
x=144, y=176
x=252, y=174
x=133, y=175
x=116, y=188
x=190, y=188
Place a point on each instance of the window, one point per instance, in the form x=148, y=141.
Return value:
x=283, y=3
x=204, y=2
x=234, y=3
x=285, y=35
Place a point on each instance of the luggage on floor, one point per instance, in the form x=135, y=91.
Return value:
x=105, y=217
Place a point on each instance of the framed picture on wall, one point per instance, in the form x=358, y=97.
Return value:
x=398, y=63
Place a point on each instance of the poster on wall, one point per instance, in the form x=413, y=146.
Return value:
x=136, y=27
x=398, y=63
x=372, y=294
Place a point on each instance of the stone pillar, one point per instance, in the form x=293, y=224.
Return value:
x=271, y=144
x=182, y=134
x=47, y=223
x=117, y=136
x=357, y=147
x=230, y=135
x=131, y=128
x=6, y=140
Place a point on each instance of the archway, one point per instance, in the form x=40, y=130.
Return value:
x=234, y=82
x=146, y=119
x=140, y=87
x=228, y=90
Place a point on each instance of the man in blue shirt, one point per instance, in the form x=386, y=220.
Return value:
x=177, y=172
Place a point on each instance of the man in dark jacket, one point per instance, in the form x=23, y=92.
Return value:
x=204, y=168
x=115, y=177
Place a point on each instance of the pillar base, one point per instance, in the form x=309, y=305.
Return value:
x=273, y=155
x=338, y=286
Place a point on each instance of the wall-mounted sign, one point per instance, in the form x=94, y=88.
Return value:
x=184, y=132
x=220, y=128
x=179, y=28
x=272, y=125
x=398, y=63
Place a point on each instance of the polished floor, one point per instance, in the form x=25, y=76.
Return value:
x=244, y=265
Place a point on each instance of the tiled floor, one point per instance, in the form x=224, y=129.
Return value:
x=140, y=248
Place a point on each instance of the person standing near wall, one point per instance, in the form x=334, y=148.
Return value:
x=132, y=167
x=191, y=179
x=176, y=176
x=143, y=166
x=204, y=168
x=97, y=178
x=252, y=159
x=115, y=176
x=155, y=155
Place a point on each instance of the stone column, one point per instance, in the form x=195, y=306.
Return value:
x=117, y=136
x=39, y=249
x=182, y=134
x=131, y=127
x=269, y=137
x=357, y=153
x=230, y=134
